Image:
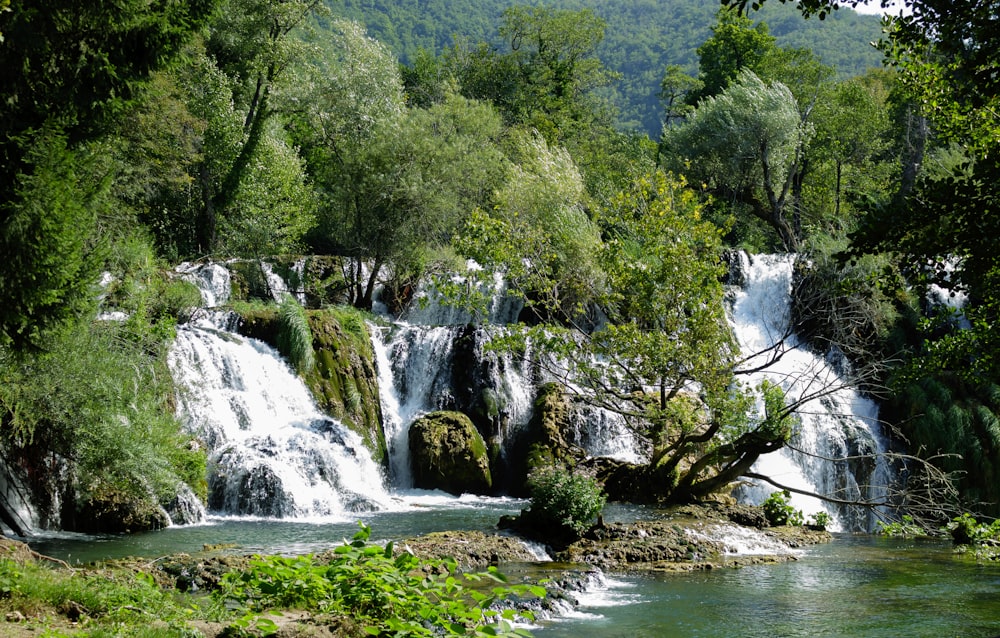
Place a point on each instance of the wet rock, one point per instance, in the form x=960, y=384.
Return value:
x=448, y=453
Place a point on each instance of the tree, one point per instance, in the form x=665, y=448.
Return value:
x=661, y=353
x=67, y=72
x=736, y=44
x=852, y=133
x=254, y=43
x=746, y=145
x=676, y=87
x=396, y=182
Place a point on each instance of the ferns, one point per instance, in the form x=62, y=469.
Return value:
x=294, y=335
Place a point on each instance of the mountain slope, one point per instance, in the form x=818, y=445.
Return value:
x=641, y=39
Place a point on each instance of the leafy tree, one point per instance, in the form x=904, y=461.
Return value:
x=254, y=43
x=67, y=73
x=554, y=52
x=676, y=89
x=661, y=332
x=395, y=181
x=746, y=145
x=736, y=44
x=852, y=134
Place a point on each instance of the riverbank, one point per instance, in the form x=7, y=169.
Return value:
x=171, y=595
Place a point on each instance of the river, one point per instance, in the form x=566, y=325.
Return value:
x=857, y=585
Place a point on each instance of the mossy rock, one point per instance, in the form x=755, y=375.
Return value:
x=545, y=443
x=109, y=509
x=448, y=453
x=344, y=379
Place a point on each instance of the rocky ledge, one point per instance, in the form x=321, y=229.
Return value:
x=685, y=538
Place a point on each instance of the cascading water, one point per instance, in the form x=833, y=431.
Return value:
x=271, y=452
x=434, y=359
x=837, y=423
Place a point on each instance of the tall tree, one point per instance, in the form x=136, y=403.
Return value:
x=746, y=145
x=67, y=71
x=254, y=43
x=736, y=44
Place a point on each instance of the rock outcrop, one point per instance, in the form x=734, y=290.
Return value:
x=448, y=453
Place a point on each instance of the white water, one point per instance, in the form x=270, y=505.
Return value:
x=274, y=454
x=271, y=452
x=837, y=423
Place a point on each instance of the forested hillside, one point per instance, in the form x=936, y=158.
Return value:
x=642, y=38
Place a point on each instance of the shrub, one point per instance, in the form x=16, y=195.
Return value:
x=778, y=510
x=906, y=526
x=390, y=595
x=565, y=498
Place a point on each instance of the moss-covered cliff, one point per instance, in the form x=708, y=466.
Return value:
x=344, y=379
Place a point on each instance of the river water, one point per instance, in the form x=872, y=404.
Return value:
x=854, y=586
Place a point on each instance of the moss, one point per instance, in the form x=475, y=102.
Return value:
x=448, y=453
x=344, y=379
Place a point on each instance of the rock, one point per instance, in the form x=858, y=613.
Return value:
x=471, y=550
x=447, y=452
x=109, y=509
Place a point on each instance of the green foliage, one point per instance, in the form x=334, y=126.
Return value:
x=294, y=335
x=47, y=237
x=819, y=519
x=906, y=526
x=745, y=145
x=565, y=498
x=390, y=594
x=779, y=511
x=641, y=39
x=100, y=396
x=942, y=414
x=966, y=530
x=104, y=598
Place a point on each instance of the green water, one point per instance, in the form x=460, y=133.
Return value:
x=855, y=586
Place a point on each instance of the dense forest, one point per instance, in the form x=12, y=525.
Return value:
x=136, y=136
x=641, y=39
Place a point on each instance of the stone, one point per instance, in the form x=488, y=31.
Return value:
x=448, y=453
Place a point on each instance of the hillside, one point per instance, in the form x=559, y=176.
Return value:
x=642, y=37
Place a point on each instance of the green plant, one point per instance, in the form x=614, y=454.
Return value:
x=568, y=499
x=391, y=595
x=779, y=511
x=294, y=336
x=906, y=526
x=819, y=519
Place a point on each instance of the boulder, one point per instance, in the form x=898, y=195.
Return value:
x=448, y=453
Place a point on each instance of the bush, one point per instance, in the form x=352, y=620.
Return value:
x=390, y=595
x=779, y=512
x=565, y=498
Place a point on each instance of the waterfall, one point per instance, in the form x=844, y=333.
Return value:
x=433, y=358
x=836, y=424
x=271, y=451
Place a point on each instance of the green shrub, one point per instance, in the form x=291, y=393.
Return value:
x=390, y=595
x=819, y=519
x=906, y=526
x=565, y=498
x=294, y=336
x=779, y=512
